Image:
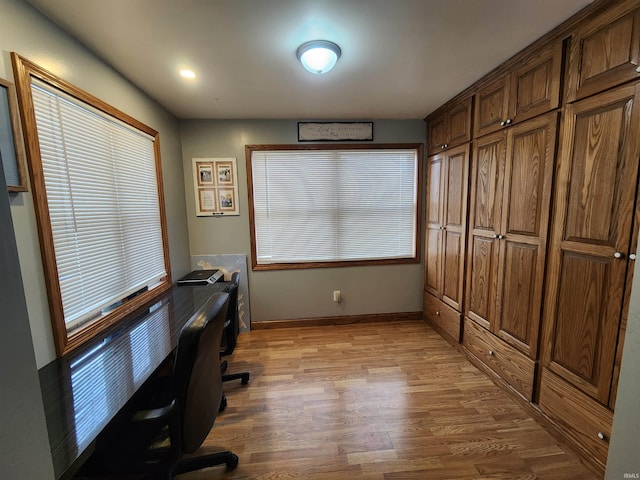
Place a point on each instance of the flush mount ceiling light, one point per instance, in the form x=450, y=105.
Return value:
x=318, y=56
x=188, y=73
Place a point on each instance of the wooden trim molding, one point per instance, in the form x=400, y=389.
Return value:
x=338, y=320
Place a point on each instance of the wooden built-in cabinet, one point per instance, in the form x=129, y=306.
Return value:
x=552, y=226
x=447, y=177
x=528, y=90
x=604, y=53
x=592, y=248
x=511, y=181
x=451, y=128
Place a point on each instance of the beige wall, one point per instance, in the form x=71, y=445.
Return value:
x=293, y=294
x=27, y=32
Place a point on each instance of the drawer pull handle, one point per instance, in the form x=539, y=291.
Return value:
x=490, y=352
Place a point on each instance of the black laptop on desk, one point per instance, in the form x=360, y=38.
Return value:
x=201, y=277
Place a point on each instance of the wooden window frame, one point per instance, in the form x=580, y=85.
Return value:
x=64, y=341
x=249, y=149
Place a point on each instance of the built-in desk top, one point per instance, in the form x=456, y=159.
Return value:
x=83, y=391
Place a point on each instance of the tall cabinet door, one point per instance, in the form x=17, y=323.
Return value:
x=446, y=225
x=434, y=228
x=456, y=177
x=591, y=239
x=487, y=172
x=523, y=231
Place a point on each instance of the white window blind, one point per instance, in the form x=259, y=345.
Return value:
x=334, y=205
x=102, y=193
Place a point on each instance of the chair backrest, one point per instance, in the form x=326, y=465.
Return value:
x=197, y=378
x=232, y=328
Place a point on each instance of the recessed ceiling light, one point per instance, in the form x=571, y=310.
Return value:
x=188, y=73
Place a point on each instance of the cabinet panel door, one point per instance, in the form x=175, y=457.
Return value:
x=437, y=133
x=433, y=241
x=459, y=124
x=535, y=86
x=525, y=218
x=492, y=107
x=517, y=317
x=592, y=233
x=455, y=221
x=604, y=53
x=487, y=172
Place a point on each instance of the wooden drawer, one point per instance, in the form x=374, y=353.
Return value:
x=508, y=363
x=582, y=419
x=442, y=316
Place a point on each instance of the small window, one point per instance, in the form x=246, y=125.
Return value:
x=97, y=191
x=328, y=205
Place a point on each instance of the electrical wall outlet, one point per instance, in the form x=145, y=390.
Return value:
x=336, y=296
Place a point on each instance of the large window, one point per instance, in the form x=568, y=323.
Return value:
x=96, y=181
x=328, y=205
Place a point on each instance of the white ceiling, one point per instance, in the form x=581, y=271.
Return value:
x=401, y=58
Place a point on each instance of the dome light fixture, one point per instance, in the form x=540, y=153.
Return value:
x=318, y=56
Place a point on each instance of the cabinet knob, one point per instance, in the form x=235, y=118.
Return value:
x=446, y=145
x=500, y=237
x=495, y=235
x=618, y=255
x=508, y=121
x=490, y=352
x=602, y=436
x=632, y=256
x=503, y=123
x=638, y=69
x=438, y=312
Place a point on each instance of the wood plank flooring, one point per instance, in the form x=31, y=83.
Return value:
x=375, y=401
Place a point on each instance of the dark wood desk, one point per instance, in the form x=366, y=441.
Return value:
x=84, y=391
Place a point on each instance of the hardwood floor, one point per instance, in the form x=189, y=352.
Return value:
x=375, y=401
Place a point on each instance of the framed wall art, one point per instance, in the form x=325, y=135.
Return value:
x=215, y=183
x=334, y=131
x=11, y=145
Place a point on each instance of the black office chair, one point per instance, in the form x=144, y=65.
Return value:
x=231, y=331
x=185, y=406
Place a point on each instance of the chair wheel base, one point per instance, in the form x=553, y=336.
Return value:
x=233, y=462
